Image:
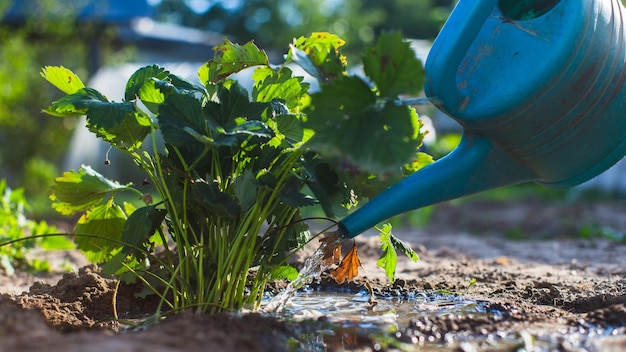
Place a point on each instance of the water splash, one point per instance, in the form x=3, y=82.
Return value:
x=313, y=268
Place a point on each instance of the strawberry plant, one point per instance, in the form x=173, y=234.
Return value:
x=237, y=167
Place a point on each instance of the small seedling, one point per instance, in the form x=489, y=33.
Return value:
x=21, y=236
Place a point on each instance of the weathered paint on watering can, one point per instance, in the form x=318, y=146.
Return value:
x=538, y=86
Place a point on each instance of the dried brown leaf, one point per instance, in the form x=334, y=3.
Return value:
x=349, y=267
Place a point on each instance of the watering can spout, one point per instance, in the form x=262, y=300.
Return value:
x=475, y=165
x=539, y=87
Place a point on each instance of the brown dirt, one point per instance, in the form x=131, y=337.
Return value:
x=531, y=268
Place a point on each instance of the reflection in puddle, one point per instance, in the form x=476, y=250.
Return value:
x=350, y=321
x=424, y=321
x=355, y=309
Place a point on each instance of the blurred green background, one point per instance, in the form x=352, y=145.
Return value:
x=87, y=35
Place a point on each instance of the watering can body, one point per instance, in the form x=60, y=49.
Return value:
x=539, y=88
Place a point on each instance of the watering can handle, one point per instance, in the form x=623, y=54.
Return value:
x=450, y=48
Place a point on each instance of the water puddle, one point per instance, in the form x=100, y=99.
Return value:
x=355, y=309
x=342, y=320
x=349, y=320
x=339, y=320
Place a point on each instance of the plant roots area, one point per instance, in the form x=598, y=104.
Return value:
x=525, y=275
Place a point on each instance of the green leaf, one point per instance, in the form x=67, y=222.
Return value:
x=389, y=245
x=319, y=55
x=120, y=124
x=297, y=199
x=138, y=228
x=251, y=128
x=263, y=157
x=184, y=85
x=77, y=103
x=177, y=113
x=106, y=223
x=394, y=66
x=325, y=184
x=321, y=41
x=151, y=96
x=53, y=243
x=266, y=179
x=388, y=258
x=234, y=103
x=301, y=58
x=346, y=97
x=245, y=130
x=79, y=190
x=173, y=85
x=218, y=202
x=204, y=73
x=284, y=272
x=140, y=77
x=115, y=264
x=231, y=58
x=245, y=189
x=62, y=78
x=403, y=247
x=270, y=84
x=298, y=233
x=419, y=161
x=350, y=127
x=119, y=264
x=291, y=127
x=153, y=83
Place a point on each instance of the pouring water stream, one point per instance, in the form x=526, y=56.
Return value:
x=313, y=267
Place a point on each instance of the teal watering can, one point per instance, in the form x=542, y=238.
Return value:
x=538, y=86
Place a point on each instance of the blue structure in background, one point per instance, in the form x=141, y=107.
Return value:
x=182, y=50
x=119, y=12
x=135, y=25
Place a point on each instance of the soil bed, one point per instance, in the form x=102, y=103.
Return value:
x=538, y=286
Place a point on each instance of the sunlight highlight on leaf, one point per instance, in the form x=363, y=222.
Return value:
x=76, y=191
x=388, y=259
x=319, y=55
x=231, y=58
x=389, y=244
x=62, y=78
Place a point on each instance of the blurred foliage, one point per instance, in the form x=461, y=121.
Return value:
x=33, y=144
x=275, y=21
x=20, y=236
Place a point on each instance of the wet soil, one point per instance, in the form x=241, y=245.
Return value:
x=546, y=285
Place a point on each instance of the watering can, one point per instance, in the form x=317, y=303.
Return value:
x=538, y=87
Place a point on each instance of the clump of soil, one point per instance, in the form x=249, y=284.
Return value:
x=86, y=299
x=76, y=301
x=553, y=290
